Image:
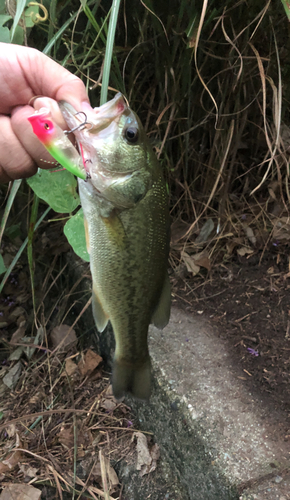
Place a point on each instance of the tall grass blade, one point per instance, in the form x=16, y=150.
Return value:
x=15, y=186
x=19, y=253
x=109, y=50
x=31, y=229
x=286, y=6
x=20, y=6
x=57, y=35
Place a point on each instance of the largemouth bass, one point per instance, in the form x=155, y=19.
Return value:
x=125, y=207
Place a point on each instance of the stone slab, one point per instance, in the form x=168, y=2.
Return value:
x=220, y=438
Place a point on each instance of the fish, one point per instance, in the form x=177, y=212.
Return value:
x=125, y=204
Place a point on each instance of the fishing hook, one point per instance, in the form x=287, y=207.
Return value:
x=82, y=125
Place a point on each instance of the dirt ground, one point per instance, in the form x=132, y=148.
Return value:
x=248, y=299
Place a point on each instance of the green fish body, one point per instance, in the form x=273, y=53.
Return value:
x=125, y=206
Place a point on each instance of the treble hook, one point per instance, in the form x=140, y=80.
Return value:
x=82, y=125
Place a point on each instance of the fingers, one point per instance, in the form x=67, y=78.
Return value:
x=46, y=77
x=15, y=162
x=21, y=151
x=46, y=102
x=26, y=72
x=29, y=142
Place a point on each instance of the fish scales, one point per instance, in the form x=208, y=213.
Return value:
x=130, y=269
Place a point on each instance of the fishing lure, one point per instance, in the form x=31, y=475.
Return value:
x=57, y=143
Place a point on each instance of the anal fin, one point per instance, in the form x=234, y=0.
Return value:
x=161, y=315
x=100, y=317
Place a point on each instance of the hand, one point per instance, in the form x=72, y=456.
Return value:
x=26, y=73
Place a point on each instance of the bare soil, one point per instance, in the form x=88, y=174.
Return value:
x=249, y=301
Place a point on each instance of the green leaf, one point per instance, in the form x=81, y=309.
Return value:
x=4, y=18
x=3, y=9
x=30, y=15
x=4, y=35
x=18, y=38
x=13, y=231
x=4, y=31
x=58, y=189
x=2, y=265
x=75, y=233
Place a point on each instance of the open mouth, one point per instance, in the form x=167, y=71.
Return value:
x=96, y=121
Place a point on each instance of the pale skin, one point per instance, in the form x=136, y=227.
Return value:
x=24, y=74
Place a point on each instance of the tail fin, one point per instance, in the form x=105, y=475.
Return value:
x=132, y=379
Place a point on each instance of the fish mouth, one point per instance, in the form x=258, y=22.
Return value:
x=96, y=120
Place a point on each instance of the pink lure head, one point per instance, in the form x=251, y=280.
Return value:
x=43, y=128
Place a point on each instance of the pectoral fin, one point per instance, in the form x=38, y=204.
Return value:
x=100, y=317
x=115, y=229
x=161, y=314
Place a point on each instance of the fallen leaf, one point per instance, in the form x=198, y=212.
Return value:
x=250, y=234
x=190, y=263
x=285, y=135
x=37, y=397
x=18, y=311
x=20, y=492
x=70, y=368
x=11, y=378
x=244, y=251
x=281, y=229
x=155, y=455
x=95, y=471
x=64, y=337
x=181, y=271
x=11, y=430
x=19, y=333
x=143, y=455
x=109, y=391
x=97, y=374
x=16, y=355
x=205, y=231
x=37, y=340
x=202, y=259
x=10, y=462
x=109, y=404
x=178, y=230
x=89, y=362
x=28, y=471
x=112, y=476
x=66, y=437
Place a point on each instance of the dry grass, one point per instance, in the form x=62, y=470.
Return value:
x=59, y=423
x=52, y=422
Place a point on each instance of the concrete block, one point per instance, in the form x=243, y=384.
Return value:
x=219, y=439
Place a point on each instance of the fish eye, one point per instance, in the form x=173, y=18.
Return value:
x=46, y=126
x=131, y=134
